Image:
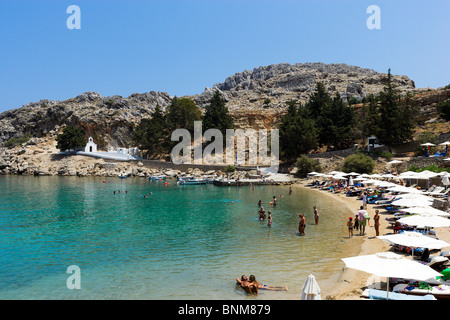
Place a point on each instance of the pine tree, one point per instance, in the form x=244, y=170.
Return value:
x=152, y=134
x=298, y=133
x=396, y=120
x=217, y=115
x=70, y=139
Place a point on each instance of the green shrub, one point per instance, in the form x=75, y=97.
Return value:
x=70, y=138
x=425, y=137
x=444, y=109
x=11, y=143
x=305, y=165
x=358, y=162
x=230, y=169
x=433, y=168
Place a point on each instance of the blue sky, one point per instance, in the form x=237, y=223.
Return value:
x=183, y=46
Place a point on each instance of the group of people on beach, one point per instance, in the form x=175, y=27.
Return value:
x=362, y=219
x=251, y=286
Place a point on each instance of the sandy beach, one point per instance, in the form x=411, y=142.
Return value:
x=351, y=283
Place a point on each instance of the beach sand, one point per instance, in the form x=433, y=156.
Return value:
x=351, y=283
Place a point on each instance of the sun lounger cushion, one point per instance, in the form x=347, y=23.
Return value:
x=382, y=295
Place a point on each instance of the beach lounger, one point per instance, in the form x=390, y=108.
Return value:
x=437, y=263
x=445, y=254
x=437, y=191
x=375, y=294
x=423, y=289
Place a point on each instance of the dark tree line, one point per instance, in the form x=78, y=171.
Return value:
x=325, y=120
x=154, y=134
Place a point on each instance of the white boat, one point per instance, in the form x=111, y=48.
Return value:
x=156, y=178
x=191, y=181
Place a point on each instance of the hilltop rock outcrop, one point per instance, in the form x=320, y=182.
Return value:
x=282, y=82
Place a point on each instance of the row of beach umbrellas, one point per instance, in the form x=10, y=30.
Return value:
x=412, y=201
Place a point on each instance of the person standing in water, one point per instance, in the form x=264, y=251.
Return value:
x=316, y=215
x=350, y=227
x=269, y=219
x=301, y=224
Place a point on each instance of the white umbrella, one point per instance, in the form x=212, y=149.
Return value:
x=417, y=196
x=311, y=290
x=404, y=189
x=395, y=162
x=336, y=173
x=422, y=221
x=414, y=239
x=427, y=144
x=411, y=203
x=444, y=143
x=427, y=211
x=445, y=180
x=350, y=181
x=391, y=265
x=352, y=174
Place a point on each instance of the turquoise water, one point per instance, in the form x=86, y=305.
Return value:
x=182, y=242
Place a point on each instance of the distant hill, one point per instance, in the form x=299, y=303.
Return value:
x=262, y=91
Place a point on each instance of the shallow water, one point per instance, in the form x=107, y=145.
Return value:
x=182, y=242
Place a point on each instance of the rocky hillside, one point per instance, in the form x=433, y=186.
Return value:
x=109, y=120
x=282, y=82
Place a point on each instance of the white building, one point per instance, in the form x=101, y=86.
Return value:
x=90, y=146
x=123, y=154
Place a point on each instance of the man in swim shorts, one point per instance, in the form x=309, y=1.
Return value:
x=362, y=220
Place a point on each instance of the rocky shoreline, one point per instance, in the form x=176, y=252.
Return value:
x=40, y=157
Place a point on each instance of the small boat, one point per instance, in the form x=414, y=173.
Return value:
x=191, y=181
x=156, y=178
x=210, y=178
x=121, y=176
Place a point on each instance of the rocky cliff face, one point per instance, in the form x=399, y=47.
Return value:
x=109, y=120
x=282, y=82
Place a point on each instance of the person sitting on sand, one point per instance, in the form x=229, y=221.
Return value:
x=247, y=285
x=266, y=287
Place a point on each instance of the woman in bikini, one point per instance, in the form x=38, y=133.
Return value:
x=266, y=287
